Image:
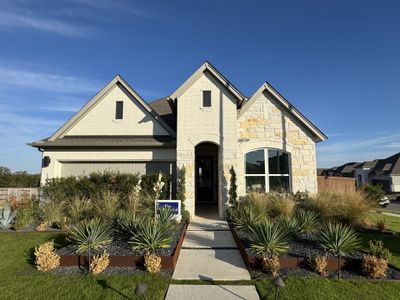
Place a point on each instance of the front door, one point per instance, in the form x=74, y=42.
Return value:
x=205, y=180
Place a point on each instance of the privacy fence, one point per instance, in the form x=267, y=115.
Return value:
x=336, y=184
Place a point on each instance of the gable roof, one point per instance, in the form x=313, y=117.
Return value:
x=285, y=103
x=117, y=80
x=207, y=66
x=164, y=108
x=388, y=166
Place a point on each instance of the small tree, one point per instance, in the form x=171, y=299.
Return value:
x=373, y=192
x=181, y=187
x=233, y=188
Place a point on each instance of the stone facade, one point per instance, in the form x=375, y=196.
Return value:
x=265, y=124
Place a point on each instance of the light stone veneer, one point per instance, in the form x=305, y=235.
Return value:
x=263, y=125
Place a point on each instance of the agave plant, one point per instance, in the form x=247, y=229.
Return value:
x=150, y=237
x=126, y=224
x=308, y=220
x=292, y=226
x=7, y=220
x=338, y=238
x=268, y=238
x=244, y=218
x=93, y=233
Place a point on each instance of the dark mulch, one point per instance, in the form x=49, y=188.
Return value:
x=74, y=271
x=123, y=248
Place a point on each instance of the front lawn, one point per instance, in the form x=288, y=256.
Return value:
x=20, y=280
x=319, y=288
x=392, y=222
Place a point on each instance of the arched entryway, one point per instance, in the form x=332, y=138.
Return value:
x=206, y=179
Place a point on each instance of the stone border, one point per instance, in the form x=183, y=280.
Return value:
x=167, y=262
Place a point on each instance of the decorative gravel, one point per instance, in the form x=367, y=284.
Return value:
x=74, y=271
x=123, y=248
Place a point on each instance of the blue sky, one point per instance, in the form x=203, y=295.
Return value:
x=338, y=62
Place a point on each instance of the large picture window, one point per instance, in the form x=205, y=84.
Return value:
x=267, y=170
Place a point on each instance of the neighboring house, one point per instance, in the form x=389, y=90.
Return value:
x=206, y=125
x=379, y=171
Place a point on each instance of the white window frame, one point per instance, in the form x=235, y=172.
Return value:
x=266, y=174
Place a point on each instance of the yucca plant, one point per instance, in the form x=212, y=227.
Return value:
x=268, y=238
x=242, y=218
x=150, y=237
x=292, y=226
x=338, y=238
x=308, y=220
x=165, y=216
x=126, y=224
x=93, y=234
x=7, y=218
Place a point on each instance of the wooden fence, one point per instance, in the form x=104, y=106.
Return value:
x=336, y=184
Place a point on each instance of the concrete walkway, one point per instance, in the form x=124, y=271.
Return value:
x=209, y=253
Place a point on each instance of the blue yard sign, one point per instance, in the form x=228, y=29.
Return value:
x=175, y=206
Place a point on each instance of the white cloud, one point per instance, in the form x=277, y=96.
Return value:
x=48, y=82
x=18, y=20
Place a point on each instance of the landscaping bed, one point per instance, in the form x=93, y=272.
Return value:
x=122, y=255
x=294, y=262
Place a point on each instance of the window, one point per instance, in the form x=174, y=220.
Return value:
x=206, y=98
x=267, y=170
x=119, y=110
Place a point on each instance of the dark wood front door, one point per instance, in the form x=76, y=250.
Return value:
x=205, y=179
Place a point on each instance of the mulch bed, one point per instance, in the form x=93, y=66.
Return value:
x=301, y=248
x=123, y=248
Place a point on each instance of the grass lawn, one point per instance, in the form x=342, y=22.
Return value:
x=20, y=280
x=319, y=288
x=392, y=222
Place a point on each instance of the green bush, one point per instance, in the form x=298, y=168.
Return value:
x=78, y=209
x=268, y=238
x=93, y=233
x=337, y=237
x=181, y=187
x=185, y=216
x=374, y=193
x=150, y=237
x=233, y=188
x=377, y=249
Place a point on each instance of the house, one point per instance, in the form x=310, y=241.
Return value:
x=345, y=170
x=380, y=171
x=206, y=125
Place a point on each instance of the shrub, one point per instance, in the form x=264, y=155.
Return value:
x=233, y=188
x=291, y=225
x=374, y=267
x=46, y=257
x=268, y=238
x=257, y=201
x=53, y=213
x=7, y=218
x=243, y=218
x=271, y=265
x=150, y=237
x=373, y=192
x=125, y=224
x=93, y=232
x=41, y=226
x=381, y=225
x=308, y=220
x=338, y=207
x=24, y=216
x=78, y=209
x=152, y=263
x=280, y=205
x=318, y=264
x=99, y=263
x=107, y=205
x=185, y=216
x=181, y=188
x=165, y=216
x=377, y=249
x=337, y=237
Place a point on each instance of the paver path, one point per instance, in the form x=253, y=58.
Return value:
x=209, y=252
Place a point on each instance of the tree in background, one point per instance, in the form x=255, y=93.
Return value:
x=373, y=192
x=20, y=179
x=233, y=187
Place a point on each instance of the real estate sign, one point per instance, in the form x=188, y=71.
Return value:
x=175, y=206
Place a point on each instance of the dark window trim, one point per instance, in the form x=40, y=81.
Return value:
x=206, y=98
x=119, y=110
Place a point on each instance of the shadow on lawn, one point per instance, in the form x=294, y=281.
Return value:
x=104, y=285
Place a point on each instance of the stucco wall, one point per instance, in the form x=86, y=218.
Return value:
x=216, y=124
x=100, y=120
x=58, y=157
x=266, y=125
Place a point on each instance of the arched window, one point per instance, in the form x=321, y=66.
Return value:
x=267, y=170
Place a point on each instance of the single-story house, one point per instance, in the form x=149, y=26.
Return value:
x=206, y=125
